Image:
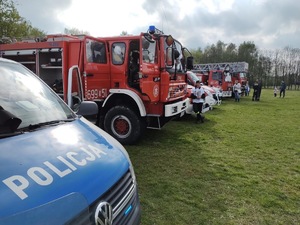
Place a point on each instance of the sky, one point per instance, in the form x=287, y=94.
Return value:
x=269, y=24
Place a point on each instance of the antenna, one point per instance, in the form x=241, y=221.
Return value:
x=164, y=15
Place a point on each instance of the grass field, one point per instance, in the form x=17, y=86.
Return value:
x=242, y=166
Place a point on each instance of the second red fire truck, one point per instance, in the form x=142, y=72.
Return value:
x=138, y=81
x=222, y=75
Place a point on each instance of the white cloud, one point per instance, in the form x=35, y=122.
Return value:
x=196, y=23
x=217, y=6
x=105, y=18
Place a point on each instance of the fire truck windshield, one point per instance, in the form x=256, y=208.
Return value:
x=149, y=51
x=217, y=76
x=178, y=58
x=242, y=75
x=95, y=51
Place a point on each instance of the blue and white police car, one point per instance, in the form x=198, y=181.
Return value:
x=55, y=166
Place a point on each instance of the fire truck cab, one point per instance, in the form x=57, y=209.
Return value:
x=137, y=81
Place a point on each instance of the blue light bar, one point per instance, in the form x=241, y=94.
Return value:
x=152, y=29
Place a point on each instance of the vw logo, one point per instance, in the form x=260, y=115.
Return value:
x=104, y=214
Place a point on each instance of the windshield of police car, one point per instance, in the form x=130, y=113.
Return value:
x=26, y=97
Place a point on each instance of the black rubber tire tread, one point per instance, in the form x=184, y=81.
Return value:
x=136, y=124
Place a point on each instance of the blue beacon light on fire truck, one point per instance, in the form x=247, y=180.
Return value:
x=152, y=29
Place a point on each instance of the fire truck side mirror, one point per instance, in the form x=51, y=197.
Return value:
x=190, y=62
x=169, y=57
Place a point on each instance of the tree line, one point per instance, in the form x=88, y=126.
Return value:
x=269, y=66
x=12, y=25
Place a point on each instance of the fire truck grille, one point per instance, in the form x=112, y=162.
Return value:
x=177, y=91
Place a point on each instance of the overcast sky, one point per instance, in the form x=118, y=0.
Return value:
x=270, y=24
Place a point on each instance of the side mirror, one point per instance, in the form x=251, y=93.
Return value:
x=8, y=122
x=169, y=40
x=190, y=63
x=87, y=108
x=169, y=57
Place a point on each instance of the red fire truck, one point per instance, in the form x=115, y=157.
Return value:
x=138, y=81
x=222, y=75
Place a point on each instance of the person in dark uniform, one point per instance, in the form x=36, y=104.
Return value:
x=255, y=91
x=258, y=90
x=282, y=89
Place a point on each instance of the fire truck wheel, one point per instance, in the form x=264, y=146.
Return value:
x=123, y=124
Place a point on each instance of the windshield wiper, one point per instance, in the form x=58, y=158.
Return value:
x=10, y=134
x=39, y=125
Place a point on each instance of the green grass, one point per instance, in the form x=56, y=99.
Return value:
x=242, y=166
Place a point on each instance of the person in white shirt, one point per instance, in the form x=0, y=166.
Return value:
x=198, y=101
x=237, y=91
x=275, y=91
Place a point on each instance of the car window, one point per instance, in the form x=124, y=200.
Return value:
x=24, y=95
x=118, y=53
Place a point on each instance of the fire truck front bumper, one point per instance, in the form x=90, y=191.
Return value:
x=176, y=108
x=227, y=94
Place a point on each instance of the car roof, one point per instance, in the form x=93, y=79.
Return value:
x=8, y=60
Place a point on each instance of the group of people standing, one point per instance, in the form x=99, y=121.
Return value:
x=199, y=95
x=237, y=89
x=256, y=90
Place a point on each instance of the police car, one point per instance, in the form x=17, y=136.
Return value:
x=55, y=166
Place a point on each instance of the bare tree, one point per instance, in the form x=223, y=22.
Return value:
x=271, y=66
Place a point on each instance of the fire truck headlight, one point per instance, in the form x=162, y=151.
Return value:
x=175, y=109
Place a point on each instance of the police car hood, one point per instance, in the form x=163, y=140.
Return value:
x=55, y=161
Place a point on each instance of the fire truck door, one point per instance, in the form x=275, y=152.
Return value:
x=96, y=81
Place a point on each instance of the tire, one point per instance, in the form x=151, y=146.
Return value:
x=123, y=124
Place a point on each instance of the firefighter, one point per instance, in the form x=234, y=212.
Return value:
x=282, y=89
x=259, y=90
x=198, y=101
x=255, y=91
